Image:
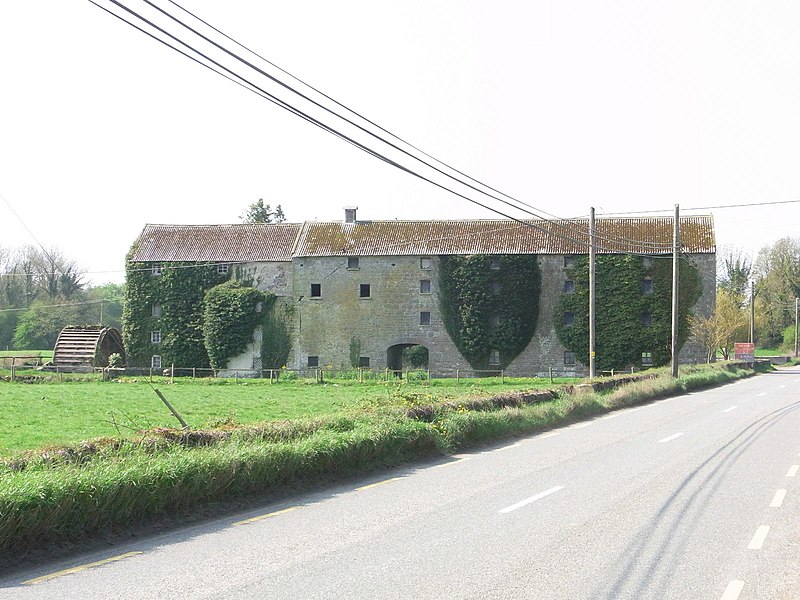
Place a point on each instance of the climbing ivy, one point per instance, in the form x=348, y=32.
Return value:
x=621, y=304
x=489, y=303
x=230, y=316
x=276, y=341
x=179, y=291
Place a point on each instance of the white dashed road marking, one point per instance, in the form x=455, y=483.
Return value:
x=670, y=438
x=777, y=501
x=527, y=501
x=733, y=590
x=758, y=539
x=730, y=409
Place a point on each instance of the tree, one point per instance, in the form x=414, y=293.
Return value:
x=734, y=273
x=777, y=269
x=722, y=329
x=258, y=212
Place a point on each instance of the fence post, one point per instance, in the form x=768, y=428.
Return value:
x=13, y=366
x=502, y=375
x=550, y=371
x=361, y=376
x=172, y=373
x=194, y=369
x=456, y=376
x=151, y=374
x=612, y=372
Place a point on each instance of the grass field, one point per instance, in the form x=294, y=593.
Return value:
x=40, y=414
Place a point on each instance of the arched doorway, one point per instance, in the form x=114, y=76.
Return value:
x=402, y=356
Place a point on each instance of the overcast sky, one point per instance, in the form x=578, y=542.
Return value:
x=621, y=105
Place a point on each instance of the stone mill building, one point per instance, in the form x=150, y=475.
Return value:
x=355, y=293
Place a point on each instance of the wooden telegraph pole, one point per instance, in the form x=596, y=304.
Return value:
x=592, y=370
x=675, y=250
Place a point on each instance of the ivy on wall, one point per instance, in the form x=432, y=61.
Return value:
x=230, y=316
x=489, y=303
x=276, y=340
x=179, y=291
x=629, y=320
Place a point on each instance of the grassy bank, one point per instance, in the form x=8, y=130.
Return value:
x=68, y=493
x=53, y=413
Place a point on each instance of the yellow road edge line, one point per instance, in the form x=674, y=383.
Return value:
x=372, y=485
x=266, y=516
x=79, y=568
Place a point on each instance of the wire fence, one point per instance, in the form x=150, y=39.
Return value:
x=32, y=371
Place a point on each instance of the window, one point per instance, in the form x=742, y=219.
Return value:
x=569, y=319
x=424, y=286
x=222, y=269
x=569, y=358
x=155, y=310
x=494, y=320
x=425, y=317
x=569, y=287
x=363, y=362
x=156, y=270
x=425, y=262
x=494, y=357
x=316, y=290
x=647, y=285
x=313, y=361
x=364, y=290
x=647, y=319
x=569, y=261
x=647, y=261
x=352, y=262
x=155, y=337
x=495, y=287
x=647, y=359
x=155, y=362
x=494, y=263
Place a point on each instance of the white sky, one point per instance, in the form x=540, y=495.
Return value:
x=623, y=105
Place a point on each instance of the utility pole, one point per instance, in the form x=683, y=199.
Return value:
x=676, y=237
x=592, y=370
x=752, y=312
x=796, y=314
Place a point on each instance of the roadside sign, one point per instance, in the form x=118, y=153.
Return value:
x=745, y=352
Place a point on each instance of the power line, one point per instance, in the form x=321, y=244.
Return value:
x=330, y=129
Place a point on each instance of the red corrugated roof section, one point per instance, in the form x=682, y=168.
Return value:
x=272, y=242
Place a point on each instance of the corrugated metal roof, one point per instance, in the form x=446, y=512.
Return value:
x=271, y=242
x=280, y=242
x=399, y=238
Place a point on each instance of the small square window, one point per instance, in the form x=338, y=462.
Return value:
x=352, y=262
x=569, y=319
x=647, y=285
x=425, y=262
x=155, y=310
x=647, y=319
x=424, y=286
x=155, y=362
x=494, y=263
x=647, y=261
x=313, y=361
x=569, y=358
x=155, y=337
x=222, y=269
x=494, y=357
x=363, y=362
x=364, y=290
x=495, y=287
x=569, y=261
x=425, y=317
x=647, y=359
x=569, y=286
x=156, y=270
x=316, y=290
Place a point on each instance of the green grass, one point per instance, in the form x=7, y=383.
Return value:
x=42, y=414
x=69, y=493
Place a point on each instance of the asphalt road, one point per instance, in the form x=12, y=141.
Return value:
x=693, y=497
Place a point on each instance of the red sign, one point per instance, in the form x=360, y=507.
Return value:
x=744, y=351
